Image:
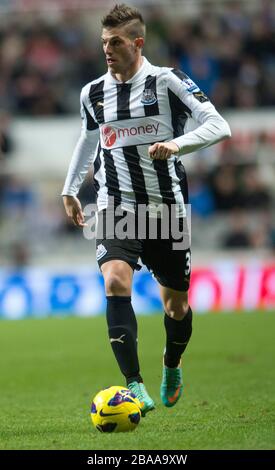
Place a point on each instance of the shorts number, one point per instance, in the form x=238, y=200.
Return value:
x=188, y=263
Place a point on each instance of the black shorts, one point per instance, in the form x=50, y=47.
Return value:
x=167, y=257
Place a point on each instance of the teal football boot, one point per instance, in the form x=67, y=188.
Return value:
x=146, y=402
x=171, y=386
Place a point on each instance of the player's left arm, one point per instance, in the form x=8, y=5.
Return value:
x=212, y=127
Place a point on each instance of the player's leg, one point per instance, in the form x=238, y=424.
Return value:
x=178, y=327
x=122, y=327
x=171, y=268
x=121, y=319
x=178, y=324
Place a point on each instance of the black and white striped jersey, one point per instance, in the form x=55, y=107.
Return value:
x=121, y=121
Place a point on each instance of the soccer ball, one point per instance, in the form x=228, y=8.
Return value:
x=115, y=409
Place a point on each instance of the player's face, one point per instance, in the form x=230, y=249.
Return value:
x=120, y=51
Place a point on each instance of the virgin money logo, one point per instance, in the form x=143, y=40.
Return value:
x=111, y=134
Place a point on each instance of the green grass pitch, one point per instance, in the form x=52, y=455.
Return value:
x=51, y=369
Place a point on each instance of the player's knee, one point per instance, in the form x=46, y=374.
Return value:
x=117, y=284
x=176, y=308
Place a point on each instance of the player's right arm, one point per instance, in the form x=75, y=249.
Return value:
x=82, y=159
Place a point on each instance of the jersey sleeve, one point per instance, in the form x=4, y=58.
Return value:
x=85, y=150
x=212, y=127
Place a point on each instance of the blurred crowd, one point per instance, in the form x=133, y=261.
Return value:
x=45, y=60
x=230, y=54
x=241, y=196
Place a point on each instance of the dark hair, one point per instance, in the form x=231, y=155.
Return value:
x=121, y=15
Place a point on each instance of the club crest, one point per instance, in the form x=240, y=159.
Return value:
x=100, y=252
x=148, y=97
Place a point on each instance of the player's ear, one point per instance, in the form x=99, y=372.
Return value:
x=139, y=42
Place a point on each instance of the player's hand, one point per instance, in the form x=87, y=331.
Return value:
x=74, y=210
x=162, y=150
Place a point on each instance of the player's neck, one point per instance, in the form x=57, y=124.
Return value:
x=130, y=72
